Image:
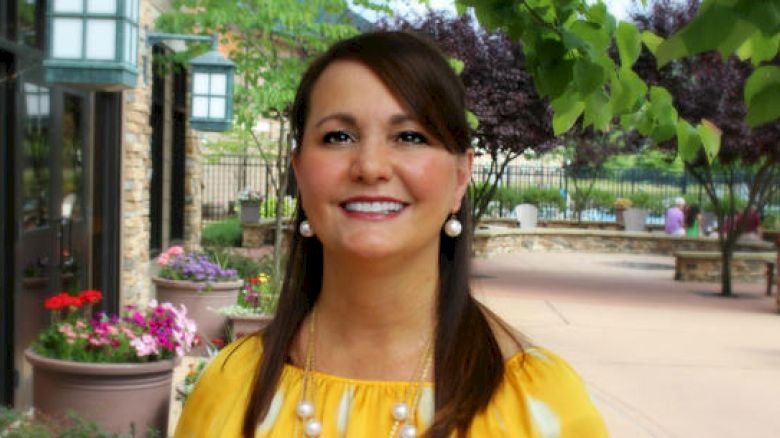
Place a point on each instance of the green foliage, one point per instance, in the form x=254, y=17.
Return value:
x=247, y=267
x=533, y=195
x=14, y=424
x=268, y=207
x=566, y=45
x=223, y=233
x=648, y=201
x=602, y=199
x=771, y=222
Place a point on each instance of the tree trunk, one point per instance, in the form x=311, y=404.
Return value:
x=281, y=189
x=727, y=252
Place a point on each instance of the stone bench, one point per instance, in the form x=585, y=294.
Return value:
x=494, y=241
x=706, y=266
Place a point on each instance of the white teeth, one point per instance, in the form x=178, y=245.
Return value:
x=374, y=207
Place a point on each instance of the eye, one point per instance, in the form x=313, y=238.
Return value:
x=337, y=137
x=412, y=137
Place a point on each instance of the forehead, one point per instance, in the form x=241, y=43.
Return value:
x=350, y=86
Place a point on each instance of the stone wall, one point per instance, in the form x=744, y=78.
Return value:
x=495, y=241
x=745, y=267
x=135, y=284
x=262, y=233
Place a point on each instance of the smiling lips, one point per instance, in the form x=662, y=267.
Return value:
x=373, y=208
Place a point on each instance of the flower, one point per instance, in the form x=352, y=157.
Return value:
x=249, y=195
x=194, y=267
x=91, y=296
x=156, y=331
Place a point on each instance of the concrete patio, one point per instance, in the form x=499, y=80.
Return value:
x=660, y=358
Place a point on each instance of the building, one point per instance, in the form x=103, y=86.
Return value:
x=93, y=182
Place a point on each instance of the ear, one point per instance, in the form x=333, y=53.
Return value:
x=465, y=164
x=295, y=161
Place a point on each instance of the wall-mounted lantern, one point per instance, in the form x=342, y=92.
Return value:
x=92, y=44
x=211, y=91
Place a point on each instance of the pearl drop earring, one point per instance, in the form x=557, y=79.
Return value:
x=305, y=229
x=453, y=227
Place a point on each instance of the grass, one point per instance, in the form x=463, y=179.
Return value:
x=223, y=233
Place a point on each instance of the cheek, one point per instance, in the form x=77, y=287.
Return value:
x=433, y=179
x=316, y=179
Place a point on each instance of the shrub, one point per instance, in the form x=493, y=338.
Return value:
x=771, y=222
x=268, y=207
x=533, y=195
x=247, y=267
x=648, y=201
x=223, y=233
x=602, y=199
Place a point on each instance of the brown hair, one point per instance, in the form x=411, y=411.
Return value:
x=466, y=351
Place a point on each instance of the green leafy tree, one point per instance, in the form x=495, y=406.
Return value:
x=567, y=44
x=271, y=42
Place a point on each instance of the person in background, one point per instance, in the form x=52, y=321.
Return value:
x=675, y=218
x=693, y=221
x=751, y=229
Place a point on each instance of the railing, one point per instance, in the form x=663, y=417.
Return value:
x=658, y=187
x=225, y=177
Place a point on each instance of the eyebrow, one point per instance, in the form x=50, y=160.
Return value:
x=396, y=119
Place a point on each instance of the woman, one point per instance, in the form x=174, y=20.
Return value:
x=693, y=221
x=376, y=333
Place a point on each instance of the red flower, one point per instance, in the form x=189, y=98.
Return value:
x=254, y=280
x=61, y=301
x=91, y=296
x=54, y=303
x=218, y=342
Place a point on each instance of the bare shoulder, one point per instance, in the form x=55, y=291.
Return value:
x=510, y=340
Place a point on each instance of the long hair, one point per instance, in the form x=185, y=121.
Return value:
x=465, y=349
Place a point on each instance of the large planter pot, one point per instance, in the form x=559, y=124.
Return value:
x=250, y=212
x=202, y=303
x=242, y=325
x=527, y=215
x=119, y=398
x=634, y=219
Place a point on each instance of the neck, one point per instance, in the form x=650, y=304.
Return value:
x=375, y=317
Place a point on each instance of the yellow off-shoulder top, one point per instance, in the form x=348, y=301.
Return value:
x=541, y=396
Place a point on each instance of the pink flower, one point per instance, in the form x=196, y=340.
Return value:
x=144, y=346
x=163, y=259
x=175, y=251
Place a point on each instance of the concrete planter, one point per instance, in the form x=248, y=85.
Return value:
x=634, y=219
x=242, y=325
x=527, y=215
x=201, y=302
x=250, y=212
x=118, y=397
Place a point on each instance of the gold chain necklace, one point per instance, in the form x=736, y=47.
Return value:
x=402, y=412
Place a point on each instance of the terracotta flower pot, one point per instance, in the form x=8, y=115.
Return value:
x=241, y=325
x=118, y=397
x=201, y=303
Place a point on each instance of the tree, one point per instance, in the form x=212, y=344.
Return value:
x=586, y=153
x=270, y=41
x=706, y=87
x=511, y=117
x=566, y=44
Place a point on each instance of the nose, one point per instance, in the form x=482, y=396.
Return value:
x=371, y=161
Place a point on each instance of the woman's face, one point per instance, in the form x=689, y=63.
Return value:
x=373, y=182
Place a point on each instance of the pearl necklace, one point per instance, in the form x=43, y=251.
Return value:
x=403, y=416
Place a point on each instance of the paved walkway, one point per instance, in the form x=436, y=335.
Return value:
x=661, y=358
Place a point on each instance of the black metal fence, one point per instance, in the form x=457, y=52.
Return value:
x=655, y=188
x=225, y=177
